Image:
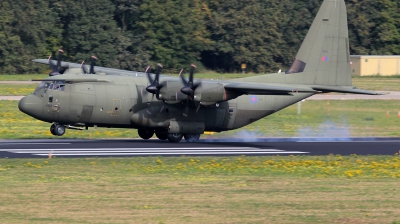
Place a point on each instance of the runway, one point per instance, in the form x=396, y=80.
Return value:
x=42, y=148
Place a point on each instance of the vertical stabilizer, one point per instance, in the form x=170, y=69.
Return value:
x=323, y=58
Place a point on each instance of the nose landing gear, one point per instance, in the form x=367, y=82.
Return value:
x=57, y=129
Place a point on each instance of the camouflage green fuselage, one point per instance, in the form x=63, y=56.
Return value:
x=115, y=103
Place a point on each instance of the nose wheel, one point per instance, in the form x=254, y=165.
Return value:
x=57, y=129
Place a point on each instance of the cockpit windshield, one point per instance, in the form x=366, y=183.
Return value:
x=50, y=85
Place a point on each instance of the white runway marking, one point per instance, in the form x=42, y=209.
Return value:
x=33, y=143
x=346, y=141
x=151, y=151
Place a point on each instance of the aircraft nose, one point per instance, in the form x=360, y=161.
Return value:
x=31, y=105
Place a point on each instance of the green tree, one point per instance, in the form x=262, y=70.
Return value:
x=175, y=32
x=245, y=31
x=28, y=30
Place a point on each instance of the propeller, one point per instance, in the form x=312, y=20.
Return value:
x=92, y=64
x=155, y=85
x=56, y=69
x=189, y=88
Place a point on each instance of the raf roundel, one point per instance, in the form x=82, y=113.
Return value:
x=253, y=99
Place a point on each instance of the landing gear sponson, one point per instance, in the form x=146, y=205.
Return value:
x=148, y=133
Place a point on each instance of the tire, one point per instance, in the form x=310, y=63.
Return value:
x=59, y=129
x=145, y=133
x=52, y=129
x=175, y=137
x=192, y=137
x=162, y=135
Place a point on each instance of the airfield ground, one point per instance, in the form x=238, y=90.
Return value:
x=293, y=189
x=298, y=189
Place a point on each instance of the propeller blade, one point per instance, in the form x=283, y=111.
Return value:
x=60, y=52
x=148, y=74
x=182, y=77
x=186, y=111
x=92, y=64
x=83, y=67
x=158, y=70
x=192, y=67
x=189, y=87
x=154, y=86
x=56, y=69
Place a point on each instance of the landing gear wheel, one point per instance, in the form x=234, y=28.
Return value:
x=59, y=129
x=145, y=133
x=162, y=135
x=52, y=129
x=192, y=137
x=175, y=137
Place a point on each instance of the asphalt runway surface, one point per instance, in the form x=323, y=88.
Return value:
x=41, y=148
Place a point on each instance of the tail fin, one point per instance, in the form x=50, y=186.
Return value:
x=323, y=58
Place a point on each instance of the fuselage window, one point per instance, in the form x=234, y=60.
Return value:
x=62, y=87
x=231, y=110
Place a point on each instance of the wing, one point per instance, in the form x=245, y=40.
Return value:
x=77, y=80
x=96, y=68
x=267, y=89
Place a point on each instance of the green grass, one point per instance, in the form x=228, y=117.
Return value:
x=22, y=77
x=16, y=89
x=293, y=189
x=340, y=119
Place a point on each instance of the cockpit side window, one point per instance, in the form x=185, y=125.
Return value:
x=50, y=85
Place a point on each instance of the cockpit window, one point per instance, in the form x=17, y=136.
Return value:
x=50, y=85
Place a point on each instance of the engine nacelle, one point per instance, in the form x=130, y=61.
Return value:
x=211, y=92
x=171, y=92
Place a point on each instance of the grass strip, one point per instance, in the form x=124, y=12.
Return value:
x=271, y=189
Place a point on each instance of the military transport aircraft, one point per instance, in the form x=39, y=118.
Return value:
x=175, y=107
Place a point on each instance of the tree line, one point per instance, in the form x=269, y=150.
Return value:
x=218, y=35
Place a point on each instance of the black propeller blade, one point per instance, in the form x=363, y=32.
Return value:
x=92, y=64
x=155, y=85
x=189, y=87
x=56, y=69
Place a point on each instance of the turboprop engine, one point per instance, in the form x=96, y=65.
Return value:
x=208, y=93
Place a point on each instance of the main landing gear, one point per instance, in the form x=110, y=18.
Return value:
x=57, y=129
x=163, y=135
x=145, y=133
